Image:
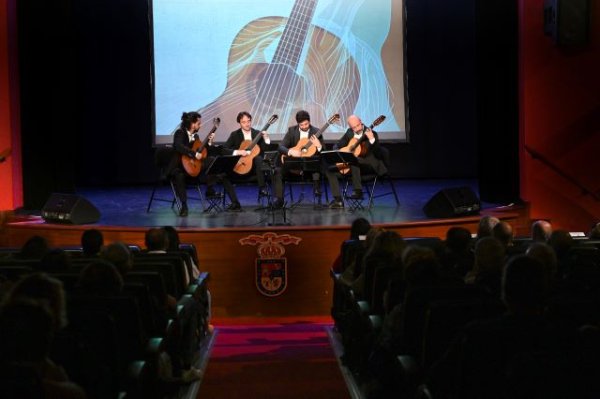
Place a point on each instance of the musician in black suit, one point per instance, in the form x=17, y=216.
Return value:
x=235, y=140
x=183, y=139
x=303, y=130
x=368, y=162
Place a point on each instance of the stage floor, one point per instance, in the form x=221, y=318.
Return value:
x=127, y=207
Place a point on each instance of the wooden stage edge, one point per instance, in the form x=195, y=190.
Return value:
x=231, y=255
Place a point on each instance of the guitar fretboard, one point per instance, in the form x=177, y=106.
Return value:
x=291, y=44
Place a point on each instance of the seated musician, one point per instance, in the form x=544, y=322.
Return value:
x=183, y=141
x=296, y=134
x=368, y=160
x=244, y=135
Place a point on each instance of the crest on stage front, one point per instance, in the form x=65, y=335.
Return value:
x=271, y=276
x=271, y=266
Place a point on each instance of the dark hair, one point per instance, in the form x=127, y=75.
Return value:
x=119, y=255
x=42, y=287
x=458, y=239
x=156, y=239
x=187, y=118
x=100, y=278
x=360, y=227
x=242, y=114
x=26, y=330
x=91, y=242
x=35, y=248
x=55, y=260
x=172, y=238
x=302, y=116
x=524, y=281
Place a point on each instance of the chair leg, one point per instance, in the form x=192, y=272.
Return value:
x=372, y=192
x=151, y=199
x=176, y=198
x=389, y=179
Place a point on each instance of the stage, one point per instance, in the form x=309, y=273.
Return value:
x=231, y=245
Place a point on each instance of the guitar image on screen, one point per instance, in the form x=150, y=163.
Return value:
x=311, y=69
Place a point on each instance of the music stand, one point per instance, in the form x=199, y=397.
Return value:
x=220, y=165
x=334, y=157
x=303, y=164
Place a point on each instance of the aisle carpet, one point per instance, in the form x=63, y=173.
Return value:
x=272, y=358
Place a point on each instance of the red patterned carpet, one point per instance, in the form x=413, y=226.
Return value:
x=273, y=358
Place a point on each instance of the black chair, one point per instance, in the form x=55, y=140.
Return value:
x=162, y=158
x=301, y=174
x=369, y=181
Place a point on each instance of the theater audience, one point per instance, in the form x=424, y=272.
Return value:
x=100, y=278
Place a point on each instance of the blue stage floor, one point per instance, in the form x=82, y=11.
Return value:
x=127, y=207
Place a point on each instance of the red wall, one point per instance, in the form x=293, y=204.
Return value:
x=11, y=191
x=560, y=119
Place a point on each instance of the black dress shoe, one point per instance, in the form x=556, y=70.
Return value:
x=234, y=207
x=183, y=211
x=336, y=204
x=356, y=194
x=278, y=203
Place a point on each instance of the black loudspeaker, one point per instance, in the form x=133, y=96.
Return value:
x=69, y=208
x=451, y=202
x=567, y=21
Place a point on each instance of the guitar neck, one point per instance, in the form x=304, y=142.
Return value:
x=258, y=136
x=201, y=147
x=318, y=134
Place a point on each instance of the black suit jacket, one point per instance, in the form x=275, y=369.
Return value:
x=236, y=138
x=292, y=137
x=373, y=154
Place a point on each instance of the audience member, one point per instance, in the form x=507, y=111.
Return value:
x=100, y=278
x=457, y=258
x=486, y=225
x=156, y=240
x=33, y=249
x=487, y=269
x=503, y=232
x=42, y=287
x=92, y=241
x=541, y=230
x=595, y=232
x=119, y=255
x=27, y=330
x=55, y=260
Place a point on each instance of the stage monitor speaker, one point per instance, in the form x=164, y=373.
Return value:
x=567, y=21
x=452, y=202
x=69, y=208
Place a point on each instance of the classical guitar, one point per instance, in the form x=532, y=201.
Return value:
x=192, y=165
x=311, y=69
x=305, y=145
x=244, y=165
x=357, y=147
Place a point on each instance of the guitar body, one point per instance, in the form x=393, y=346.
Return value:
x=193, y=166
x=306, y=152
x=353, y=147
x=329, y=78
x=244, y=165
